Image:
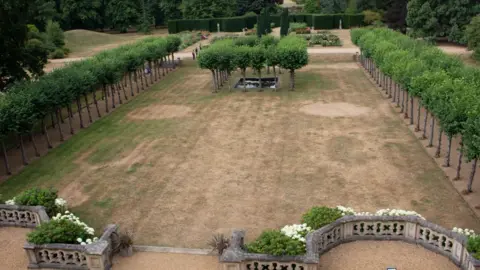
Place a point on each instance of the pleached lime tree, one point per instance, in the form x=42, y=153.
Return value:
x=292, y=55
x=242, y=59
x=258, y=62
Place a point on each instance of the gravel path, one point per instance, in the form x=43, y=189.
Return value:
x=167, y=261
x=14, y=256
x=378, y=255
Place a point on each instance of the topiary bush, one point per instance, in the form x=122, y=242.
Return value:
x=44, y=197
x=276, y=243
x=318, y=217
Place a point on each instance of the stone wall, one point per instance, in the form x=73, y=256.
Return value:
x=22, y=216
x=409, y=229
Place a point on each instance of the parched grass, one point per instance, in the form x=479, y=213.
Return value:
x=242, y=160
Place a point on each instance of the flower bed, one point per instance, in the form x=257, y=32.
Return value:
x=190, y=38
x=323, y=38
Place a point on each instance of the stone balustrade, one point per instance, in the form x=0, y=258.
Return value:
x=409, y=229
x=22, y=216
x=96, y=256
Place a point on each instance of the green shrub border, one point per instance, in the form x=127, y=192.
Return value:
x=236, y=24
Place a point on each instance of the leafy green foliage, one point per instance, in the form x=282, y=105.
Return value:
x=258, y=58
x=36, y=196
x=292, y=52
x=446, y=87
x=371, y=17
x=55, y=34
x=123, y=14
x=276, y=243
x=473, y=35
x=473, y=246
x=57, y=231
x=312, y=6
x=431, y=19
x=26, y=57
x=317, y=217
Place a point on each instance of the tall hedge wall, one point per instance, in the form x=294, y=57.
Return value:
x=236, y=24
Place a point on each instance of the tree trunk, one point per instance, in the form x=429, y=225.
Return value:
x=32, y=138
x=112, y=89
x=449, y=150
x=398, y=94
x=62, y=120
x=260, y=80
x=151, y=72
x=53, y=120
x=144, y=84
x=131, y=84
x=79, y=107
x=419, y=111
x=403, y=101
x=460, y=159
x=45, y=133
x=472, y=175
x=214, y=81
x=292, y=80
x=439, y=146
x=125, y=96
x=405, y=115
x=119, y=87
x=424, y=135
x=88, y=107
x=5, y=159
x=244, y=80
x=60, y=131
x=135, y=77
x=394, y=99
x=106, y=99
x=275, y=78
x=70, y=119
x=96, y=104
x=411, y=109
x=22, y=148
x=432, y=128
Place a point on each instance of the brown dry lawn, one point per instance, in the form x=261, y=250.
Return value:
x=178, y=163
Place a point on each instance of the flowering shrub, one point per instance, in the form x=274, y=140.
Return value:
x=64, y=229
x=47, y=198
x=276, y=243
x=466, y=232
x=296, y=231
x=318, y=217
x=346, y=211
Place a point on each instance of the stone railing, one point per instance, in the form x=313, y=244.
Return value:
x=22, y=216
x=409, y=229
x=96, y=256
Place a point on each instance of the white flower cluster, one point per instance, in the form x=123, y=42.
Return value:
x=397, y=212
x=74, y=219
x=60, y=202
x=348, y=211
x=10, y=202
x=466, y=232
x=296, y=231
x=87, y=241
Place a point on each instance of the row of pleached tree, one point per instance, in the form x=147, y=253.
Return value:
x=227, y=55
x=117, y=74
x=448, y=90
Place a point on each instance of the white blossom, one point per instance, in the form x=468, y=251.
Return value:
x=10, y=202
x=466, y=232
x=60, y=202
x=296, y=231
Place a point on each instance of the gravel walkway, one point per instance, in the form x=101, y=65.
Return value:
x=378, y=255
x=12, y=255
x=166, y=261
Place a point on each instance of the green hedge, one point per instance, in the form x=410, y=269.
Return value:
x=236, y=24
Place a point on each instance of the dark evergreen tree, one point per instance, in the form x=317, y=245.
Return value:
x=285, y=23
x=396, y=14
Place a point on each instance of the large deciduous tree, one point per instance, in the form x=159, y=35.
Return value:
x=26, y=57
x=122, y=14
x=201, y=9
x=80, y=13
